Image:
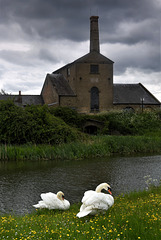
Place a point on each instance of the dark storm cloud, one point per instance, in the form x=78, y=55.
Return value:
x=61, y=19
x=68, y=19
x=133, y=27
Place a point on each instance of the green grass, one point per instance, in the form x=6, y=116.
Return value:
x=96, y=146
x=134, y=216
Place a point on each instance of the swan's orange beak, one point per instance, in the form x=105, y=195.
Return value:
x=109, y=190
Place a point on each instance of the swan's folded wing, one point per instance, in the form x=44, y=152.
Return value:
x=40, y=204
x=91, y=197
x=48, y=197
x=51, y=200
x=110, y=200
x=83, y=213
x=99, y=200
x=66, y=205
x=88, y=195
x=60, y=204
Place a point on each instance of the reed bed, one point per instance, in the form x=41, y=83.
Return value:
x=133, y=216
x=96, y=146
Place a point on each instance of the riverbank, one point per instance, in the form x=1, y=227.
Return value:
x=95, y=146
x=134, y=216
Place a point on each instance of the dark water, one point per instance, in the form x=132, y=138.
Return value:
x=21, y=183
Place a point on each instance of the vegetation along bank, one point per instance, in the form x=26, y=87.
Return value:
x=39, y=132
x=133, y=216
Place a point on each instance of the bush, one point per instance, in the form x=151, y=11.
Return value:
x=12, y=123
x=40, y=124
x=121, y=122
x=33, y=124
x=68, y=115
x=130, y=123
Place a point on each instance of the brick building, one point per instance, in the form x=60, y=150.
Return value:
x=87, y=84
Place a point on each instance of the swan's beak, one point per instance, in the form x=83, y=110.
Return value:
x=109, y=190
x=63, y=197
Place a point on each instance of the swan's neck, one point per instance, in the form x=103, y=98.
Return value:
x=60, y=196
x=102, y=186
x=99, y=188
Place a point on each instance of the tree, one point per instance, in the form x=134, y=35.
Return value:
x=3, y=92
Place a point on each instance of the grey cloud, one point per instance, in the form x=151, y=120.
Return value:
x=47, y=55
x=16, y=57
x=121, y=21
x=69, y=19
x=28, y=58
x=12, y=87
x=139, y=61
x=131, y=32
x=143, y=56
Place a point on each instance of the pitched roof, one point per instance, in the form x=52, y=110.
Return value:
x=60, y=84
x=133, y=94
x=92, y=57
x=24, y=99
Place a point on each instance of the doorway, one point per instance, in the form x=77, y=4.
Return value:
x=94, y=99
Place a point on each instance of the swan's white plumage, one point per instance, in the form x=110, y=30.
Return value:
x=94, y=202
x=53, y=201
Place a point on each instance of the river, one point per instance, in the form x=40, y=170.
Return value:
x=21, y=183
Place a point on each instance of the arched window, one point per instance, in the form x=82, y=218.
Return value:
x=129, y=109
x=94, y=99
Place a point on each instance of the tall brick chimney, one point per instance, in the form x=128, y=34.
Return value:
x=94, y=34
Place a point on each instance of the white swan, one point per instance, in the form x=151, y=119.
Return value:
x=96, y=201
x=53, y=201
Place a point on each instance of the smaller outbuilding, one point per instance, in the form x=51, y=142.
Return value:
x=134, y=96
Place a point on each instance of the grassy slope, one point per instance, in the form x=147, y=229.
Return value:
x=97, y=146
x=133, y=216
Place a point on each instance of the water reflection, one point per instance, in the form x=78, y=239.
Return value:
x=21, y=183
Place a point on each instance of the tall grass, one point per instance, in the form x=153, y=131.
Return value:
x=133, y=216
x=97, y=146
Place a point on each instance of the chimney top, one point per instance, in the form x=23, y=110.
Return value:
x=94, y=17
x=94, y=34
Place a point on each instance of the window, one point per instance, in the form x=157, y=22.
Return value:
x=68, y=71
x=94, y=99
x=128, y=109
x=94, y=69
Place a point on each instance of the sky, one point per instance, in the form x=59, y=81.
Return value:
x=39, y=36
